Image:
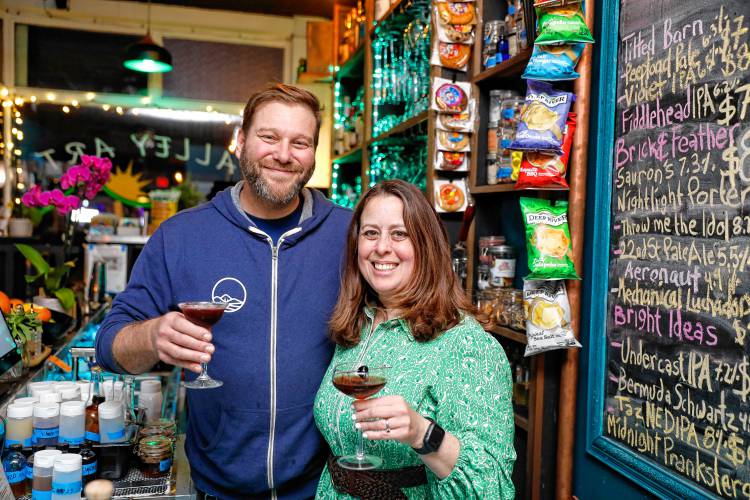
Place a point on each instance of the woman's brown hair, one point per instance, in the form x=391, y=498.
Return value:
x=433, y=300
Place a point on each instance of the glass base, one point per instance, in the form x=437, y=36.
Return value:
x=203, y=383
x=368, y=462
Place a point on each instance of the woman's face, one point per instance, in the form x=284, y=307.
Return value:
x=385, y=252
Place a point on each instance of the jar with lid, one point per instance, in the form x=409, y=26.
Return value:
x=41, y=486
x=510, y=112
x=19, y=425
x=491, y=165
x=485, y=242
x=155, y=454
x=511, y=36
x=505, y=169
x=483, y=276
x=46, y=423
x=485, y=302
x=72, y=422
x=150, y=399
x=505, y=136
x=66, y=477
x=70, y=394
x=517, y=314
x=492, y=137
x=503, y=265
x=496, y=98
x=490, y=39
x=502, y=306
x=111, y=422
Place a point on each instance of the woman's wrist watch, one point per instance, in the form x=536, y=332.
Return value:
x=432, y=440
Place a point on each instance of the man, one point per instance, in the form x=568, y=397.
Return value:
x=272, y=250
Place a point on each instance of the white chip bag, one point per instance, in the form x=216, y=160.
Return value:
x=547, y=317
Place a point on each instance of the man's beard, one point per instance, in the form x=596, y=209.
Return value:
x=252, y=171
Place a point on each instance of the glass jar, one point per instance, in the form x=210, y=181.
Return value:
x=491, y=164
x=504, y=169
x=517, y=316
x=485, y=302
x=510, y=113
x=485, y=242
x=155, y=454
x=484, y=274
x=503, y=265
x=492, y=137
x=502, y=306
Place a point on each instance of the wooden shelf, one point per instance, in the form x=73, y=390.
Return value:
x=510, y=68
x=521, y=422
x=508, y=333
x=351, y=156
x=403, y=127
x=354, y=66
x=507, y=187
x=313, y=78
x=385, y=17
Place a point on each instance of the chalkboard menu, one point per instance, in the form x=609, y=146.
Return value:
x=677, y=388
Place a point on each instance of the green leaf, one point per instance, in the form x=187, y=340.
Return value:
x=30, y=278
x=54, y=277
x=33, y=256
x=67, y=298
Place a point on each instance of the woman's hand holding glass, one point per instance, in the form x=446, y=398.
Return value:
x=390, y=417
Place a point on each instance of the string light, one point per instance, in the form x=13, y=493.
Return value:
x=105, y=107
x=209, y=108
x=178, y=177
x=118, y=109
x=4, y=92
x=51, y=96
x=32, y=98
x=18, y=101
x=74, y=103
x=66, y=109
x=90, y=96
x=19, y=121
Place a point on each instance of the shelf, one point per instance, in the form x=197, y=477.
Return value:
x=117, y=239
x=351, y=156
x=353, y=67
x=510, y=68
x=403, y=127
x=521, y=422
x=508, y=333
x=507, y=187
x=314, y=78
x=385, y=17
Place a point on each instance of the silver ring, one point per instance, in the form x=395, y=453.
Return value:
x=387, y=427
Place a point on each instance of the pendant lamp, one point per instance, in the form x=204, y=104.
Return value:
x=146, y=56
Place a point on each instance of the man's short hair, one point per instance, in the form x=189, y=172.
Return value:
x=287, y=94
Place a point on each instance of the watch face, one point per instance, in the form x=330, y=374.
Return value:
x=434, y=439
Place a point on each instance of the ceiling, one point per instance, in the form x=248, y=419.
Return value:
x=320, y=8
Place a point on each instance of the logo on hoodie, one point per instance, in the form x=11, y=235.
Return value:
x=230, y=291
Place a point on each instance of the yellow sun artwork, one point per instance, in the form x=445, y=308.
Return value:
x=127, y=187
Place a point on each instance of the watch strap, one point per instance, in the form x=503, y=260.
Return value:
x=427, y=446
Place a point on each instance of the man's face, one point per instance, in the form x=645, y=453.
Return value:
x=277, y=155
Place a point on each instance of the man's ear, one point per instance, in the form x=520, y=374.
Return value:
x=240, y=144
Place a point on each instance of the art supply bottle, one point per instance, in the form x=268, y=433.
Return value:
x=92, y=410
x=41, y=487
x=46, y=422
x=66, y=477
x=14, y=465
x=19, y=426
x=150, y=399
x=111, y=422
x=90, y=465
x=72, y=422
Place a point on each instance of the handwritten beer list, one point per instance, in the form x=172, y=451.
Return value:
x=678, y=364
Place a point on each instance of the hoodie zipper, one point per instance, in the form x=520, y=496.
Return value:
x=274, y=322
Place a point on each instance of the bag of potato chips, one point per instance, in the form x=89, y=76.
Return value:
x=564, y=24
x=548, y=240
x=547, y=317
x=542, y=119
x=541, y=171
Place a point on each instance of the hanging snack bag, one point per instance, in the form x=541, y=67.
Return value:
x=563, y=24
x=547, y=317
x=543, y=119
x=456, y=13
x=451, y=55
x=554, y=3
x=553, y=62
x=541, y=171
x=548, y=240
x=450, y=97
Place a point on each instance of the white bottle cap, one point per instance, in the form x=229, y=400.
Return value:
x=150, y=386
x=20, y=411
x=110, y=409
x=32, y=386
x=70, y=393
x=44, y=459
x=67, y=462
x=29, y=401
x=72, y=408
x=50, y=397
x=38, y=391
x=66, y=384
x=42, y=410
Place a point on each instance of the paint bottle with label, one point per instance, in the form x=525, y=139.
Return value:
x=66, y=477
x=14, y=465
x=46, y=423
x=111, y=422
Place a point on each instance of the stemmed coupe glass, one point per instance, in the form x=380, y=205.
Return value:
x=204, y=314
x=360, y=382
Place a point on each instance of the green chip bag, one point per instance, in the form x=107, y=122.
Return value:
x=548, y=240
x=565, y=24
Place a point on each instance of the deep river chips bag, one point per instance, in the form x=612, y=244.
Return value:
x=548, y=240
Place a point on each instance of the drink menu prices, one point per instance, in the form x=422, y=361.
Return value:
x=678, y=313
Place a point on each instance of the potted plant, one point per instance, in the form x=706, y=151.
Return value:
x=26, y=329
x=50, y=280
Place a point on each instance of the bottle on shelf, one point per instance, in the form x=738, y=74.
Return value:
x=66, y=477
x=92, y=410
x=29, y=472
x=89, y=463
x=14, y=465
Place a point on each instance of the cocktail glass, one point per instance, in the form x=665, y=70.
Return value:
x=204, y=314
x=360, y=382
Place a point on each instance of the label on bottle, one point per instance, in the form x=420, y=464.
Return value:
x=16, y=476
x=70, y=440
x=29, y=470
x=26, y=442
x=41, y=495
x=50, y=433
x=93, y=436
x=112, y=436
x=88, y=469
x=66, y=488
x=165, y=464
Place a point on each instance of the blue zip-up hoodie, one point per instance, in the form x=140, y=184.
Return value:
x=255, y=433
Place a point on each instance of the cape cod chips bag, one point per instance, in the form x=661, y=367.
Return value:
x=547, y=317
x=564, y=24
x=541, y=171
x=542, y=118
x=553, y=62
x=548, y=240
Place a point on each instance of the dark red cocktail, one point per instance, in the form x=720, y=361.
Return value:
x=204, y=314
x=357, y=386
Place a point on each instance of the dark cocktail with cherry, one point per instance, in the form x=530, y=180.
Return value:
x=205, y=314
x=360, y=382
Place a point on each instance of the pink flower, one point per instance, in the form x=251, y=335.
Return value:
x=57, y=197
x=31, y=197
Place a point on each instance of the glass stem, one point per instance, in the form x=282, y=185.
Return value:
x=204, y=371
x=360, y=447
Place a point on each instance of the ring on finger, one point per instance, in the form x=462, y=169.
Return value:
x=387, y=427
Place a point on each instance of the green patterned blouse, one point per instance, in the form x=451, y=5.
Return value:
x=461, y=379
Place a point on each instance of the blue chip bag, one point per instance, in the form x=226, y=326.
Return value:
x=554, y=62
x=542, y=119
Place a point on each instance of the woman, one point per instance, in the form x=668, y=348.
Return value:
x=400, y=305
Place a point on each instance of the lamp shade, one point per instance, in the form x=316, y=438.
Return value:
x=147, y=57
